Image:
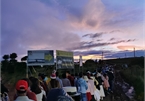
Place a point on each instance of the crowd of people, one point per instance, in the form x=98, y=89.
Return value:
x=91, y=86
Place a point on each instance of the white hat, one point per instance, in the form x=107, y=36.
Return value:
x=53, y=76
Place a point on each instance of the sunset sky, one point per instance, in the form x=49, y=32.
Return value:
x=86, y=27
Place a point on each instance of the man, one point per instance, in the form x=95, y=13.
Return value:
x=71, y=78
x=58, y=79
x=82, y=87
x=22, y=87
x=31, y=95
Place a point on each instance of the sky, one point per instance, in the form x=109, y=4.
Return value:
x=85, y=27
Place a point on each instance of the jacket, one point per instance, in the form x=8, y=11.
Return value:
x=82, y=85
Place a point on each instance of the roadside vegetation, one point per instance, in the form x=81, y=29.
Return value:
x=134, y=75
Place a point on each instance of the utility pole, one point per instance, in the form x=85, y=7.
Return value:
x=134, y=52
x=102, y=55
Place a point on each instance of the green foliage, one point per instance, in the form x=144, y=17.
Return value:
x=13, y=56
x=89, y=64
x=138, y=61
x=6, y=57
x=24, y=58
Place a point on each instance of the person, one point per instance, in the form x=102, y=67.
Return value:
x=4, y=93
x=60, y=81
x=89, y=96
x=56, y=93
x=65, y=81
x=31, y=95
x=38, y=90
x=82, y=87
x=53, y=82
x=71, y=78
x=22, y=87
x=92, y=87
x=106, y=83
x=100, y=87
x=111, y=79
x=75, y=79
x=43, y=83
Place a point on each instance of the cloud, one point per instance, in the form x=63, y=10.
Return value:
x=31, y=24
x=125, y=54
x=94, y=45
x=99, y=40
x=97, y=54
x=130, y=47
x=91, y=52
x=112, y=39
x=55, y=24
x=96, y=35
x=129, y=40
x=113, y=31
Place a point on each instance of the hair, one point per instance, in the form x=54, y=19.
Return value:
x=72, y=75
x=99, y=71
x=35, y=86
x=89, y=76
x=21, y=92
x=63, y=75
x=57, y=74
x=54, y=83
x=31, y=79
x=80, y=74
x=76, y=74
x=42, y=76
x=68, y=72
x=105, y=75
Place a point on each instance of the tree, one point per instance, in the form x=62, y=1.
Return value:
x=24, y=58
x=13, y=62
x=6, y=57
x=90, y=64
x=13, y=56
x=5, y=62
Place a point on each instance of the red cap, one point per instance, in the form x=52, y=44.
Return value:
x=53, y=76
x=22, y=85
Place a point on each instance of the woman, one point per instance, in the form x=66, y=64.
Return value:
x=38, y=90
x=89, y=96
x=53, y=82
x=56, y=93
x=106, y=83
x=100, y=87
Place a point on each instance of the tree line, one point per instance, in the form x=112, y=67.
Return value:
x=11, y=65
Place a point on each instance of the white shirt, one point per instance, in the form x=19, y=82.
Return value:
x=23, y=98
x=40, y=95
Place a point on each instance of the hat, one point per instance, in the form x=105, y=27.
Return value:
x=53, y=76
x=22, y=85
x=85, y=78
